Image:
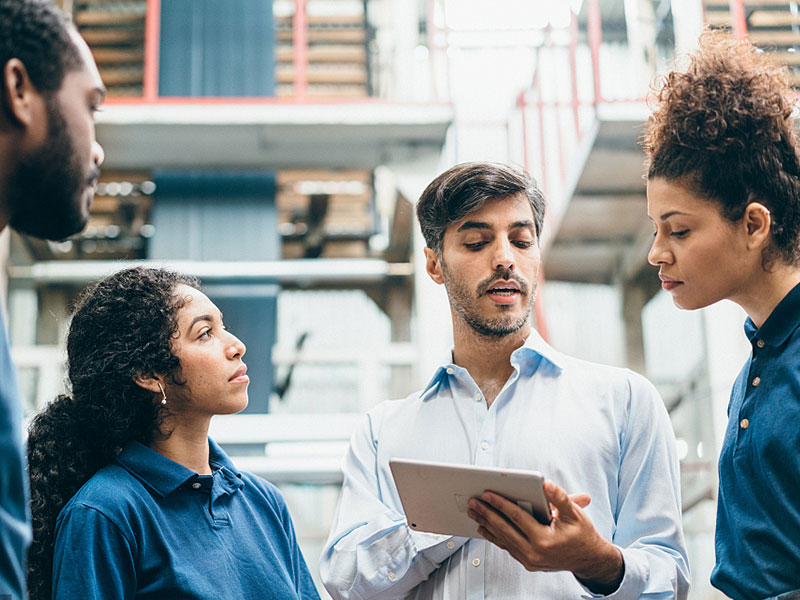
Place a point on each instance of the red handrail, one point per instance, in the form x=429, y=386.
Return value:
x=738, y=19
x=300, y=44
x=152, y=34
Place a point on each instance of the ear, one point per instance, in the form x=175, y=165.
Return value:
x=433, y=265
x=150, y=382
x=24, y=104
x=758, y=221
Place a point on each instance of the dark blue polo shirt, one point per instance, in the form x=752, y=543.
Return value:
x=146, y=527
x=758, y=512
x=14, y=527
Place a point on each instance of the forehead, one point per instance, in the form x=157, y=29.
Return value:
x=665, y=197
x=499, y=212
x=86, y=76
x=195, y=303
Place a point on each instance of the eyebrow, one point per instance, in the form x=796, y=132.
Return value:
x=208, y=318
x=482, y=225
x=671, y=213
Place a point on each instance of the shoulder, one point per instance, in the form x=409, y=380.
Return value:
x=112, y=492
x=254, y=484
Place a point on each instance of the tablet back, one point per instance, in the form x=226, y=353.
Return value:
x=435, y=495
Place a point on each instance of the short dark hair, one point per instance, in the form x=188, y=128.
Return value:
x=723, y=128
x=37, y=33
x=464, y=189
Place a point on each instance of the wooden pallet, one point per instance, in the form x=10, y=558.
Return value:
x=114, y=30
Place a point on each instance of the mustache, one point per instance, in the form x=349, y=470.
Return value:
x=503, y=275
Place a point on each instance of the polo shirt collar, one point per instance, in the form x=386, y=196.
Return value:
x=163, y=475
x=531, y=353
x=780, y=324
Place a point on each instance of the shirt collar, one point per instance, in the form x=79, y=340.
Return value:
x=163, y=475
x=530, y=353
x=780, y=324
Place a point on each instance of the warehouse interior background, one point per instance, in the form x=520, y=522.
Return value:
x=275, y=149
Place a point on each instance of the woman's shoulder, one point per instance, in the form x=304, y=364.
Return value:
x=110, y=491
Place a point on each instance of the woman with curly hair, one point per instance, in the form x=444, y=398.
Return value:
x=723, y=191
x=130, y=498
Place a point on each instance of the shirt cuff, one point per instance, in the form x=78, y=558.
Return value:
x=637, y=572
x=435, y=547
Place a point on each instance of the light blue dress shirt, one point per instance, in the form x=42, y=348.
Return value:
x=587, y=427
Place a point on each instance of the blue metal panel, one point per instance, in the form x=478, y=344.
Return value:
x=217, y=48
x=224, y=216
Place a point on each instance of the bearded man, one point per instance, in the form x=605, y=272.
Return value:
x=50, y=89
x=504, y=398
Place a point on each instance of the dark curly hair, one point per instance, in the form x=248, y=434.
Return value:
x=723, y=128
x=121, y=327
x=464, y=189
x=37, y=33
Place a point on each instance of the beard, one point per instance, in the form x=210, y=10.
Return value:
x=46, y=192
x=464, y=303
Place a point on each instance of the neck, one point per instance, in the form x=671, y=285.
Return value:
x=767, y=291
x=187, y=444
x=488, y=359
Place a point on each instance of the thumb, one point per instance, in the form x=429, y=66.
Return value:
x=560, y=501
x=582, y=500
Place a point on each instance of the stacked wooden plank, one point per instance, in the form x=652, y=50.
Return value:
x=336, y=56
x=325, y=213
x=114, y=30
x=772, y=25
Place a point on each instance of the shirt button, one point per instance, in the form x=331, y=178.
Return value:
x=744, y=423
x=761, y=343
x=450, y=545
x=391, y=576
x=484, y=445
x=450, y=370
x=756, y=381
x=476, y=562
x=478, y=396
x=196, y=485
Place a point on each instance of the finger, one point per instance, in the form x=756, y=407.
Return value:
x=496, y=523
x=489, y=536
x=582, y=500
x=567, y=510
x=521, y=520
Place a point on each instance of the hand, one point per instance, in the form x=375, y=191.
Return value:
x=569, y=543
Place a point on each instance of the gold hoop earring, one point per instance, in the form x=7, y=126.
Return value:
x=163, y=393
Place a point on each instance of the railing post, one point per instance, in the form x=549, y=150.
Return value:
x=573, y=68
x=300, y=45
x=152, y=43
x=738, y=19
x=595, y=25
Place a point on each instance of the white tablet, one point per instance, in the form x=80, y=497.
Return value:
x=435, y=495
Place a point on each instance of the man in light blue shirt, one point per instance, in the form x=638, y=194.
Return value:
x=505, y=398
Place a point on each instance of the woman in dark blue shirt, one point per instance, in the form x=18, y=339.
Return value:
x=723, y=193
x=130, y=499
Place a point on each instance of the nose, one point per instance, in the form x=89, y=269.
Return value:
x=236, y=349
x=98, y=155
x=658, y=253
x=503, y=258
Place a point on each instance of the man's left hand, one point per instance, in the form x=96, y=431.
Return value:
x=569, y=543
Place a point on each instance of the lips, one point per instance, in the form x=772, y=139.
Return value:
x=668, y=283
x=240, y=374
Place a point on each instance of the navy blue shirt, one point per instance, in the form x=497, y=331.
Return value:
x=14, y=526
x=146, y=527
x=758, y=512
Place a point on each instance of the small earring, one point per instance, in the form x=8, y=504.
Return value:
x=163, y=393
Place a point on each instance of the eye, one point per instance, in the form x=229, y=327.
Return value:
x=522, y=244
x=205, y=334
x=475, y=245
x=680, y=234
